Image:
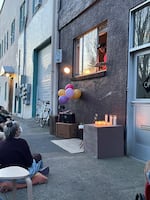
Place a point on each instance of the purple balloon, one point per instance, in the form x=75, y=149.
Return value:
x=69, y=92
x=63, y=99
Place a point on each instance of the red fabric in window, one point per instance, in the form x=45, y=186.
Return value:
x=147, y=191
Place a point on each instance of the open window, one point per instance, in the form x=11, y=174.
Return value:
x=102, y=42
x=87, y=58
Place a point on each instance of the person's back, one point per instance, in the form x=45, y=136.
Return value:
x=15, y=151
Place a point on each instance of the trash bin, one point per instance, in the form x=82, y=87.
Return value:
x=52, y=124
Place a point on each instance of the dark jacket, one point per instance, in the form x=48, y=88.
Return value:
x=15, y=151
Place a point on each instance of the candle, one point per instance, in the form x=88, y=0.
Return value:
x=106, y=118
x=111, y=119
x=114, y=120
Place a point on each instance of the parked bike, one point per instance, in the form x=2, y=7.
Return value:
x=44, y=115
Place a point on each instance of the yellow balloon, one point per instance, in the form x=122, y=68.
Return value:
x=77, y=94
x=61, y=92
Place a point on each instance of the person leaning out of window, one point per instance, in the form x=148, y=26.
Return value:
x=102, y=57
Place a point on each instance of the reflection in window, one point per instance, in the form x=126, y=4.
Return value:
x=89, y=52
x=86, y=51
x=142, y=26
x=143, y=76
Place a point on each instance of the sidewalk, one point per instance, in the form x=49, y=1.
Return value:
x=80, y=176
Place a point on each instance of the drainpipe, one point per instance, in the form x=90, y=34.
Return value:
x=55, y=39
x=24, y=46
x=24, y=37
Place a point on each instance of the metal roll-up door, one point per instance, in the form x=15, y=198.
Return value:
x=44, y=74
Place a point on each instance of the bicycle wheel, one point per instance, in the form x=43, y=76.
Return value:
x=42, y=122
x=37, y=118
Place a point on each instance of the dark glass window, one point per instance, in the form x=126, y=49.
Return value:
x=143, y=76
x=142, y=26
x=13, y=32
x=22, y=17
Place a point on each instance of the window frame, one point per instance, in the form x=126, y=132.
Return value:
x=22, y=17
x=2, y=48
x=133, y=48
x=7, y=40
x=5, y=43
x=0, y=51
x=134, y=53
x=78, y=55
x=36, y=5
x=140, y=80
x=12, y=31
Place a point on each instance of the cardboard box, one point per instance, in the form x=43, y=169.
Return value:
x=66, y=130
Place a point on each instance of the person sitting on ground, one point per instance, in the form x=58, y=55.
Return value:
x=4, y=113
x=15, y=151
x=2, y=123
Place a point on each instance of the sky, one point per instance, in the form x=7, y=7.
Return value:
x=1, y=2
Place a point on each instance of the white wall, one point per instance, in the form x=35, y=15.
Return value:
x=39, y=29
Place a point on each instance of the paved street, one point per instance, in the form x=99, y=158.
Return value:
x=80, y=176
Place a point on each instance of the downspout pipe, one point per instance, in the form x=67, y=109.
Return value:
x=24, y=44
x=24, y=37
x=55, y=45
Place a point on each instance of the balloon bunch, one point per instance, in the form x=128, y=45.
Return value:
x=68, y=93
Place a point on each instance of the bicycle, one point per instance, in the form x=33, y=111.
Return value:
x=44, y=116
x=38, y=111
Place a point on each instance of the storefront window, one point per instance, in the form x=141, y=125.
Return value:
x=142, y=26
x=143, y=76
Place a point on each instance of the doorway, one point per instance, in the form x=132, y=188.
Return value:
x=138, y=126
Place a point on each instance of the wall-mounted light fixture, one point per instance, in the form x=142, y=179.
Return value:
x=7, y=71
x=67, y=70
x=7, y=75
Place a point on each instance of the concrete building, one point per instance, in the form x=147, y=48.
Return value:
x=27, y=45
x=121, y=86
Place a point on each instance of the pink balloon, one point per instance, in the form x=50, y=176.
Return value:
x=63, y=99
x=69, y=86
x=69, y=92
